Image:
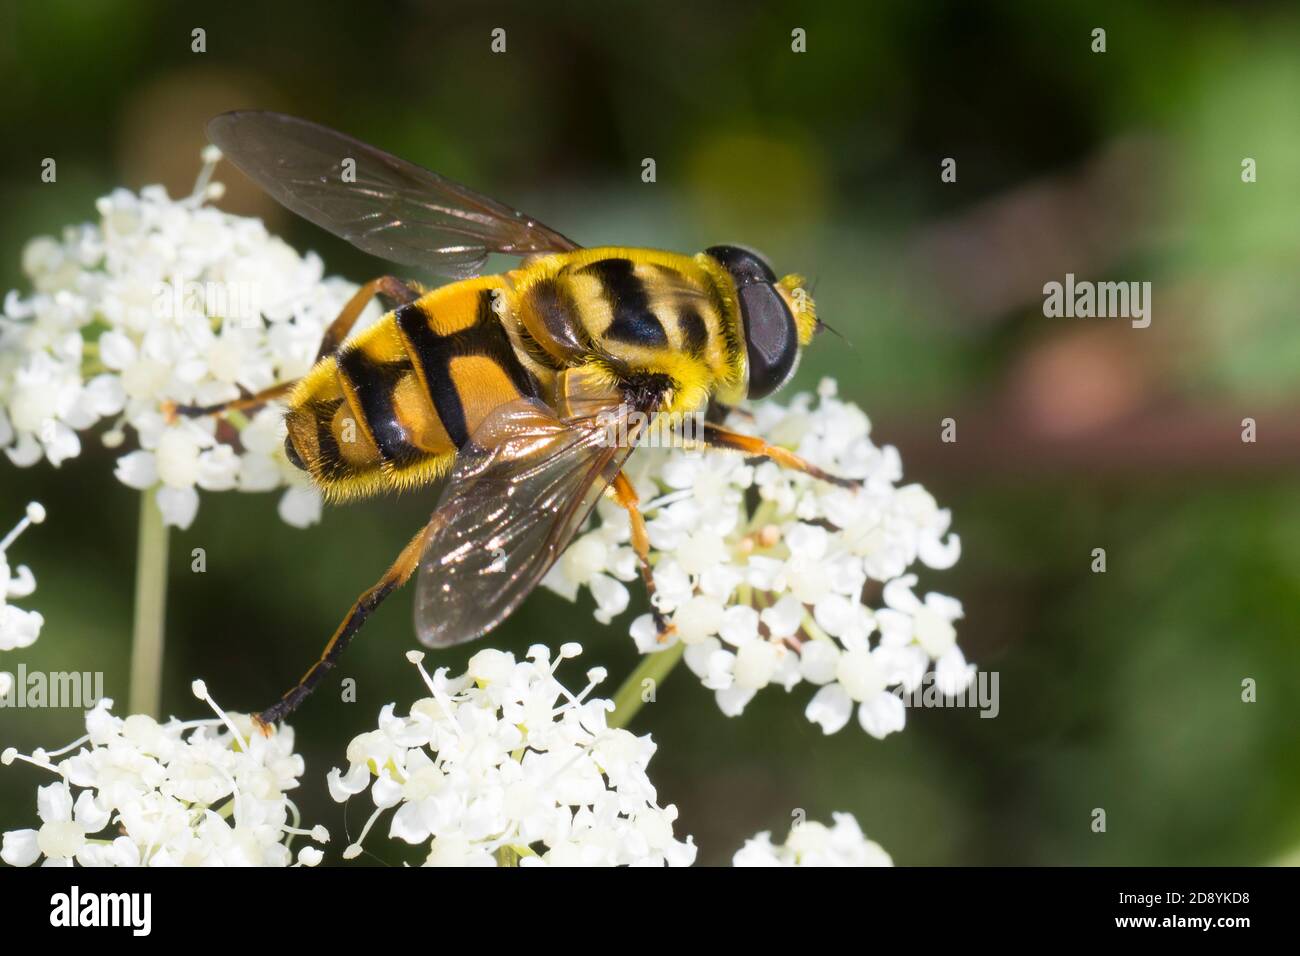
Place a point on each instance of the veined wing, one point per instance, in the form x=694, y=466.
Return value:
x=520, y=490
x=394, y=209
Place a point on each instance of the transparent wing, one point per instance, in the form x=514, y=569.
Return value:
x=393, y=209
x=520, y=490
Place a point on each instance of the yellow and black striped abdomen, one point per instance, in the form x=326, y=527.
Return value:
x=391, y=408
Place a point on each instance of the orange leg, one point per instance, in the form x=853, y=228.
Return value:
x=626, y=496
x=716, y=436
x=388, y=287
x=398, y=574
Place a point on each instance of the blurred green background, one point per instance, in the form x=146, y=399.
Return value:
x=1119, y=690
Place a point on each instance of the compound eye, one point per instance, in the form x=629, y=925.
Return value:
x=745, y=266
x=291, y=453
x=771, y=336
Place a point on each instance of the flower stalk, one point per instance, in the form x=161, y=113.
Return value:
x=631, y=696
x=150, y=610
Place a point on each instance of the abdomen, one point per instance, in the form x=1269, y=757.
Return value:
x=393, y=406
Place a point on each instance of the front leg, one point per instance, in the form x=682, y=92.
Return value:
x=715, y=436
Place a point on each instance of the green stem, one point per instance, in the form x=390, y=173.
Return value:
x=150, y=610
x=655, y=667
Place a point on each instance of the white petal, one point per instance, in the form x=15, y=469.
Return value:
x=784, y=617
x=408, y=824
x=300, y=506
x=817, y=661
x=755, y=664
x=342, y=786
x=88, y=813
x=116, y=351
x=611, y=597
x=898, y=594
x=646, y=635
x=952, y=675
x=26, y=452
x=831, y=707
x=882, y=715
x=732, y=700
x=137, y=470
x=54, y=803
x=939, y=554
x=178, y=506
x=62, y=444
x=20, y=848
x=934, y=632
x=739, y=625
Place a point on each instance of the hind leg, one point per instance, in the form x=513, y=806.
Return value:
x=397, y=575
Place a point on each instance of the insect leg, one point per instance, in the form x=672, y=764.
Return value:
x=626, y=497
x=172, y=409
x=393, y=578
x=388, y=287
x=715, y=436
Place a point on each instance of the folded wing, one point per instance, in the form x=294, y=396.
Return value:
x=383, y=205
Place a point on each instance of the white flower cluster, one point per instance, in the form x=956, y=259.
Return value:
x=778, y=593
x=18, y=628
x=164, y=301
x=185, y=793
x=503, y=765
x=815, y=844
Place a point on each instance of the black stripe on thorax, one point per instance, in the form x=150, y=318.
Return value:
x=434, y=353
x=695, y=333
x=625, y=293
x=373, y=383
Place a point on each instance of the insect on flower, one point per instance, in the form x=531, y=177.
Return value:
x=506, y=384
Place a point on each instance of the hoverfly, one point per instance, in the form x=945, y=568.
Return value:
x=506, y=385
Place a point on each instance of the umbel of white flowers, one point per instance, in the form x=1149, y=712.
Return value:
x=780, y=594
x=164, y=300
x=136, y=792
x=504, y=765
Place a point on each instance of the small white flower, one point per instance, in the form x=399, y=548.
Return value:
x=164, y=301
x=815, y=844
x=135, y=792
x=503, y=764
x=775, y=595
